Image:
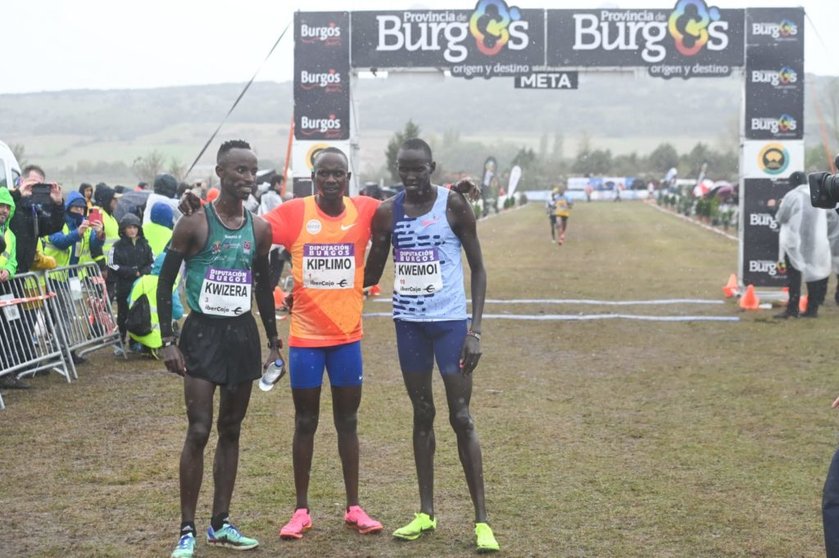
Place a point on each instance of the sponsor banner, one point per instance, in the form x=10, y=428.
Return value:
x=321, y=76
x=776, y=27
x=304, y=152
x=694, y=39
x=321, y=34
x=785, y=123
x=759, y=238
x=547, y=80
x=494, y=39
x=770, y=72
x=772, y=159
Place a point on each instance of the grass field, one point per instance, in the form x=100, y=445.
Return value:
x=601, y=438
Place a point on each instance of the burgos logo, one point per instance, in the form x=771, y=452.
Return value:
x=785, y=124
x=773, y=159
x=330, y=81
x=763, y=266
x=329, y=35
x=690, y=25
x=763, y=220
x=493, y=25
x=490, y=25
x=783, y=78
x=330, y=126
x=785, y=30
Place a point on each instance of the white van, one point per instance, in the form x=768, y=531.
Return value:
x=9, y=168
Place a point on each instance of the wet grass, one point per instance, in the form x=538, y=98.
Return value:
x=600, y=438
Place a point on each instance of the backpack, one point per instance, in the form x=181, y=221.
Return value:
x=138, y=320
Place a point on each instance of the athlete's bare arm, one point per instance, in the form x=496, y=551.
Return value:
x=462, y=221
x=380, y=230
x=188, y=238
x=262, y=288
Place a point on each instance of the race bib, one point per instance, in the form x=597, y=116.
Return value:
x=225, y=292
x=417, y=271
x=329, y=266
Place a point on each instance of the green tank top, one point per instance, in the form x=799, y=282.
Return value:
x=219, y=278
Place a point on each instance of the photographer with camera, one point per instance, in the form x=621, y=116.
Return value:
x=803, y=248
x=40, y=212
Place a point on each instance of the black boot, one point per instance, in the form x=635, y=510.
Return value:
x=811, y=312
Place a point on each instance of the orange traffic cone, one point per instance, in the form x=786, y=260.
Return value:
x=749, y=300
x=802, y=303
x=730, y=288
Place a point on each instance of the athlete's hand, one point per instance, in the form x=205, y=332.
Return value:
x=470, y=354
x=468, y=188
x=189, y=203
x=288, y=302
x=836, y=403
x=174, y=360
x=274, y=354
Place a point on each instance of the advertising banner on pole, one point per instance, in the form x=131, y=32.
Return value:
x=691, y=40
x=773, y=131
x=759, y=236
x=321, y=76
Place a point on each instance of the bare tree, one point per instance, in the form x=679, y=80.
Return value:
x=177, y=169
x=148, y=166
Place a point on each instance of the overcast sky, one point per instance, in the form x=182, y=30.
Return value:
x=51, y=45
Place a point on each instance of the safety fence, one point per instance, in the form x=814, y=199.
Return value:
x=47, y=319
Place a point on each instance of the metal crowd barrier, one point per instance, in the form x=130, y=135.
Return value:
x=82, y=310
x=29, y=339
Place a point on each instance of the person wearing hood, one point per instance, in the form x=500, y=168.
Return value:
x=803, y=248
x=33, y=220
x=8, y=255
x=165, y=190
x=159, y=231
x=76, y=241
x=106, y=201
x=8, y=268
x=147, y=285
x=131, y=257
x=833, y=239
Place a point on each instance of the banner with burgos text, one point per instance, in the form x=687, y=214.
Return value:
x=694, y=39
x=321, y=89
x=773, y=131
x=492, y=40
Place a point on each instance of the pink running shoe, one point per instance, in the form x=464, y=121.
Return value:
x=357, y=519
x=300, y=523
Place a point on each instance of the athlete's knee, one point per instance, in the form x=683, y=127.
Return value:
x=229, y=430
x=199, y=432
x=424, y=413
x=462, y=421
x=346, y=422
x=306, y=423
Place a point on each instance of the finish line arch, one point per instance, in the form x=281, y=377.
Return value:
x=545, y=48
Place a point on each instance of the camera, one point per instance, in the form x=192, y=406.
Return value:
x=824, y=188
x=41, y=194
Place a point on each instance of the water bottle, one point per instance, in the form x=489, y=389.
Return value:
x=272, y=375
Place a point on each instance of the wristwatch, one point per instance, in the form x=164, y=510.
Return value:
x=168, y=341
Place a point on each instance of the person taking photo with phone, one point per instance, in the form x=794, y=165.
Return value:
x=39, y=212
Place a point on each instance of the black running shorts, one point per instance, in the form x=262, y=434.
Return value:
x=224, y=351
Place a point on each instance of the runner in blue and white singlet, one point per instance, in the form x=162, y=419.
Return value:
x=428, y=282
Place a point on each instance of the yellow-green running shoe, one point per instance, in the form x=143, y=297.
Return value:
x=421, y=523
x=484, y=539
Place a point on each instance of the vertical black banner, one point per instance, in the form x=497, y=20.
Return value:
x=760, y=232
x=774, y=92
x=321, y=75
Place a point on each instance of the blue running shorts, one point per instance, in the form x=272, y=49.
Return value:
x=342, y=363
x=419, y=343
